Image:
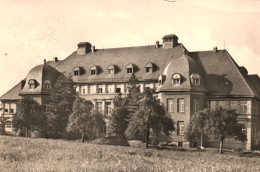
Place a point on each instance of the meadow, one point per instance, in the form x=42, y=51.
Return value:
x=37, y=154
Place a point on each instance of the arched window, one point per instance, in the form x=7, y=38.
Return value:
x=195, y=79
x=176, y=79
x=32, y=84
x=47, y=84
x=93, y=70
x=111, y=69
x=129, y=68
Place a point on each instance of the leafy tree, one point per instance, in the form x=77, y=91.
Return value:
x=2, y=125
x=30, y=115
x=119, y=116
x=61, y=104
x=83, y=119
x=150, y=115
x=198, y=126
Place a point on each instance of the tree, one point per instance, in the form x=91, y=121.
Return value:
x=150, y=115
x=30, y=115
x=120, y=116
x=83, y=119
x=223, y=124
x=61, y=104
x=198, y=126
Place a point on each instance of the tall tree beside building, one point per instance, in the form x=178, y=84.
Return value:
x=151, y=115
x=62, y=98
x=120, y=116
x=83, y=119
x=223, y=124
x=29, y=116
x=198, y=126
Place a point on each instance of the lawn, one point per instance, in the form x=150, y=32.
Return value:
x=34, y=154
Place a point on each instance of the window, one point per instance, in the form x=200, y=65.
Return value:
x=83, y=91
x=99, y=107
x=180, y=128
x=118, y=90
x=93, y=72
x=213, y=105
x=243, y=107
x=181, y=106
x=195, y=105
x=11, y=110
x=110, y=71
x=129, y=70
x=47, y=85
x=176, y=79
x=76, y=73
x=92, y=89
x=170, y=105
x=8, y=124
x=32, y=84
x=160, y=80
x=6, y=110
x=148, y=69
x=147, y=86
x=100, y=88
x=108, y=107
x=110, y=89
x=195, y=79
x=46, y=109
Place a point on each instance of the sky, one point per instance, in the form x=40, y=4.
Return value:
x=34, y=30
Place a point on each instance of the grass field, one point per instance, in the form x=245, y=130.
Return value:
x=31, y=154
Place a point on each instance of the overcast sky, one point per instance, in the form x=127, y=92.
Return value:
x=33, y=30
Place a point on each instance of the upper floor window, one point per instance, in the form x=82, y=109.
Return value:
x=180, y=127
x=93, y=70
x=195, y=105
x=47, y=84
x=100, y=89
x=32, y=84
x=181, y=105
x=130, y=68
x=148, y=67
x=92, y=89
x=111, y=69
x=109, y=89
x=170, y=105
x=195, y=79
x=176, y=79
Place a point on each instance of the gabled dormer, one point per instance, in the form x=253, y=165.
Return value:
x=149, y=68
x=94, y=70
x=111, y=69
x=130, y=68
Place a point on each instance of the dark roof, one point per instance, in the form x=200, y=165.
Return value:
x=223, y=75
x=84, y=43
x=121, y=57
x=54, y=64
x=170, y=36
x=254, y=81
x=12, y=94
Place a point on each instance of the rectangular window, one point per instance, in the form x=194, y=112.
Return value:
x=170, y=105
x=147, y=86
x=76, y=73
x=222, y=104
x=180, y=128
x=234, y=105
x=6, y=110
x=118, y=90
x=99, y=107
x=108, y=108
x=46, y=109
x=243, y=107
x=213, y=105
x=195, y=105
x=11, y=110
x=110, y=71
x=148, y=69
x=93, y=72
x=129, y=70
x=181, y=106
x=100, y=89
x=109, y=89
x=92, y=89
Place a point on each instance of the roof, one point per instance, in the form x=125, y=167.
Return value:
x=12, y=94
x=170, y=36
x=223, y=75
x=54, y=64
x=121, y=57
x=84, y=43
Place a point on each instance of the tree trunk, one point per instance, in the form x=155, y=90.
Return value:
x=147, y=135
x=221, y=146
x=201, y=140
x=82, y=137
x=26, y=132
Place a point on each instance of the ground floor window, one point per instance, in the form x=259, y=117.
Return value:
x=180, y=127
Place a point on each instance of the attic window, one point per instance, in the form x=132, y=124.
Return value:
x=130, y=68
x=111, y=69
x=195, y=79
x=32, y=84
x=76, y=71
x=176, y=79
x=148, y=68
x=93, y=70
x=47, y=85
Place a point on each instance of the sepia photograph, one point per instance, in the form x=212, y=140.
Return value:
x=129, y=85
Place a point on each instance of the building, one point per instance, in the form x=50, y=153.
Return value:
x=185, y=82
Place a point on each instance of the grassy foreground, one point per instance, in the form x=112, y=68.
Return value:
x=31, y=154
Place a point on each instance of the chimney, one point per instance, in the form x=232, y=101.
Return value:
x=44, y=61
x=92, y=49
x=55, y=59
x=170, y=41
x=84, y=48
x=215, y=49
x=157, y=44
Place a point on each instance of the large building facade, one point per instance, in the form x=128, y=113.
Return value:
x=186, y=82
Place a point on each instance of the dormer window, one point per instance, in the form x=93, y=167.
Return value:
x=148, y=68
x=160, y=80
x=195, y=79
x=32, y=84
x=76, y=71
x=130, y=68
x=47, y=84
x=93, y=70
x=176, y=79
x=111, y=69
